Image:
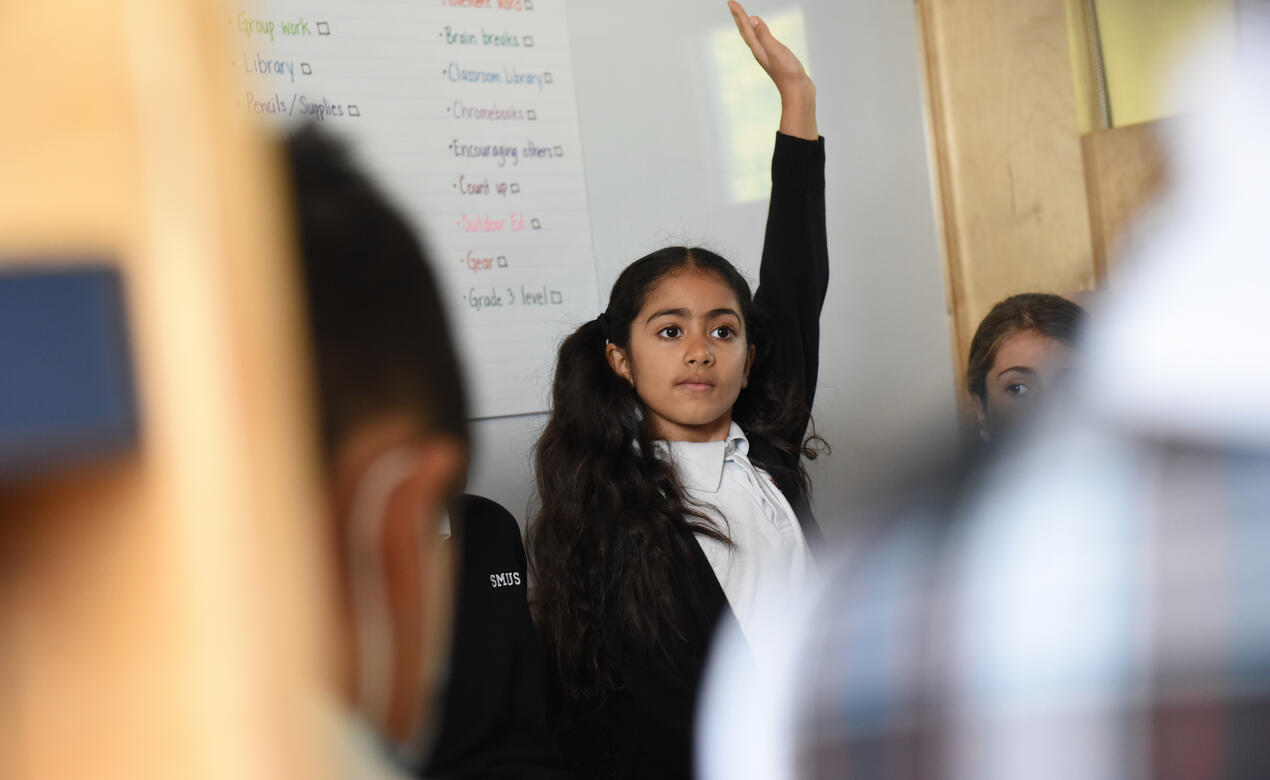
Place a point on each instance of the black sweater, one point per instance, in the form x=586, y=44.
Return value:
x=645, y=729
x=494, y=717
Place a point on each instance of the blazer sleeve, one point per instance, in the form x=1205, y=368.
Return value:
x=794, y=273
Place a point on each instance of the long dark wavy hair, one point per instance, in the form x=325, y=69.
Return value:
x=614, y=521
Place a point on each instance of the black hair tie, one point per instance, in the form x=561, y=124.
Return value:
x=606, y=326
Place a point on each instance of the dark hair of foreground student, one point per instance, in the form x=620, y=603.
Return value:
x=380, y=338
x=1050, y=315
x=614, y=522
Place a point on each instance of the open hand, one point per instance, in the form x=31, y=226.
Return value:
x=798, y=93
x=775, y=57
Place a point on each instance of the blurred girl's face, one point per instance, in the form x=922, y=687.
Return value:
x=1025, y=368
x=688, y=356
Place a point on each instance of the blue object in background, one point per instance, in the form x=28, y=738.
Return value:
x=66, y=387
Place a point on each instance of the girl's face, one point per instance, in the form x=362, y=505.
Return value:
x=1024, y=369
x=688, y=356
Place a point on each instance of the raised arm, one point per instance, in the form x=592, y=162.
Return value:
x=794, y=274
x=798, y=93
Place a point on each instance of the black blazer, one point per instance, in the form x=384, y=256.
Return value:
x=645, y=730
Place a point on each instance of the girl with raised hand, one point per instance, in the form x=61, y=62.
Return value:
x=669, y=473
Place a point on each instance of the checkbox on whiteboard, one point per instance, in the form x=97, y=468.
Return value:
x=528, y=40
x=306, y=68
x=532, y=115
x=353, y=110
x=559, y=150
x=515, y=188
x=547, y=77
x=324, y=28
x=502, y=261
x=536, y=224
x=556, y=297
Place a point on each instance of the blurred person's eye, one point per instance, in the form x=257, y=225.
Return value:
x=1017, y=389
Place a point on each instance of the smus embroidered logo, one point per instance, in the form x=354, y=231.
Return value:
x=504, y=580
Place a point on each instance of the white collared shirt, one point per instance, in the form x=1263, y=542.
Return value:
x=768, y=548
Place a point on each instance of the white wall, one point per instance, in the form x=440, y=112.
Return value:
x=652, y=125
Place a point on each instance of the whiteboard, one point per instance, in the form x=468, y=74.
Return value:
x=465, y=112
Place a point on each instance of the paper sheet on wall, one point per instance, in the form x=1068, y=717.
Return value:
x=464, y=111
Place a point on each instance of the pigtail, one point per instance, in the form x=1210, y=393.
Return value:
x=774, y=411
x=612, y=523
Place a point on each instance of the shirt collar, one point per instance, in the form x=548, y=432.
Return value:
x=700, y=464
x=737, y=444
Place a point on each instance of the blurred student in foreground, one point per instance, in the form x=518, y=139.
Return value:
x=1095, y=602
x=418, y=697
x=394, y=442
